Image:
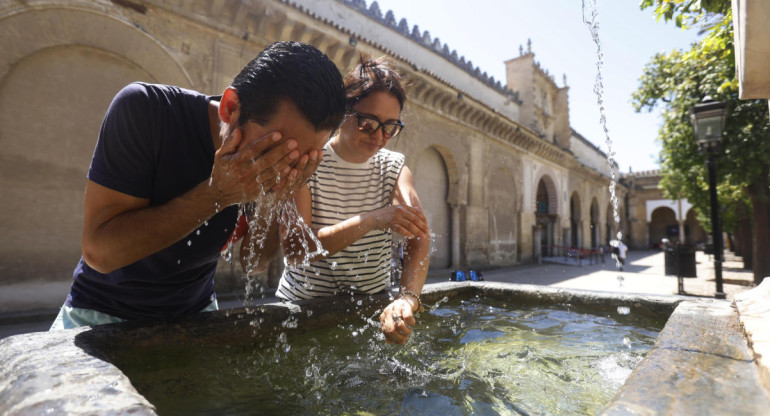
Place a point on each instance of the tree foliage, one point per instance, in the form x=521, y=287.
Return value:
x=677, y=81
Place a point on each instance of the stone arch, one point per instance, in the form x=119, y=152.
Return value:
x=663, y=224
x=63, y=26
x=74, y=65
x=436, y=182
x=552, y=203
x=546, y=213
x=611, y=226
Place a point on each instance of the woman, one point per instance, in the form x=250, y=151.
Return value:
x=360, y=193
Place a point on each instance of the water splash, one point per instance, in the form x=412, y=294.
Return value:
x=266, y=209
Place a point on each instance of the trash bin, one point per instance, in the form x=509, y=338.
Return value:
x=685, y=261
x=680, y=262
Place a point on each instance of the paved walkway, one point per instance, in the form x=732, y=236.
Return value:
x=643, y=273
x=31, y=306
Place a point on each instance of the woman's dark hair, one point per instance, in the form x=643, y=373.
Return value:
x=372, y=75
x=296, y=71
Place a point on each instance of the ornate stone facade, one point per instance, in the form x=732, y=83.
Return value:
x=502, y=175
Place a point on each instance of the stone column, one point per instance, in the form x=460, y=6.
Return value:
x=647, y=235
x=476, y=214
x=528, y=221
x=455, y=208
x=579, y=233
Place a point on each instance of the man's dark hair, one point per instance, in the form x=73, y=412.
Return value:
x=296, y=71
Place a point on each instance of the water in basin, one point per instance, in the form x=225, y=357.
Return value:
x=471, y=356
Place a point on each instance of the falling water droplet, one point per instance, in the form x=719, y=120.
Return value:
x=189, y=243
x=627, y=342
x=593, y=27
x=624, y=310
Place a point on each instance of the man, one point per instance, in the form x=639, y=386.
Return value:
x=170, y=169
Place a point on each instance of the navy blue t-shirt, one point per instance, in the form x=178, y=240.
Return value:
x=155, y=143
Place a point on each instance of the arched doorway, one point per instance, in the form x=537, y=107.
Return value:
x=503, y=227
x=54, y=91
x=545, y=217
x=49, y=139
x=611, y=226
x=663, y=224
x=432, y=184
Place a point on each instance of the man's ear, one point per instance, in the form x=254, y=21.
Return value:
x=229, y=106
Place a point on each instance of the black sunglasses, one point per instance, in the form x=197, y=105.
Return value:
x=370, y=125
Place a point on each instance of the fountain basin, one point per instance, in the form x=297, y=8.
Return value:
x=701, y=362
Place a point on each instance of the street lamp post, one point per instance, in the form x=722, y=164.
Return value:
x=708, y=119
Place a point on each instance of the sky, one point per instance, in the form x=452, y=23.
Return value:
x=489, y=32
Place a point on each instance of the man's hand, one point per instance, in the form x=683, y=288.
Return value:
x=298, y=176
x=244, y=171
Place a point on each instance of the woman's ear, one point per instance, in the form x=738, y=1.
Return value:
x=229, y=106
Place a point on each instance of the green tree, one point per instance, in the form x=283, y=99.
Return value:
x=677, y=81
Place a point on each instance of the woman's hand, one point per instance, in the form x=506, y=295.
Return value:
x=403, y=219
x=397, y=320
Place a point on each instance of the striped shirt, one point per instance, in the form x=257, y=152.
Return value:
x=340, y=190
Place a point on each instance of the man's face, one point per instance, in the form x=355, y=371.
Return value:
x=292, y=124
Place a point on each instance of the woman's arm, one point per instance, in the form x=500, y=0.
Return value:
x=407, y=220
x=398, y=318
x=417, y=250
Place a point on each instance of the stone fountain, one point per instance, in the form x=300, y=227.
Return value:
x=708, y=359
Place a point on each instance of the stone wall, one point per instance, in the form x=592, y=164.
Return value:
x=477, y=165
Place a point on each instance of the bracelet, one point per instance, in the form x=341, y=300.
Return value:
x=416, y=296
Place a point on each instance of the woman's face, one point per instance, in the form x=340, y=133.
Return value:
x=356, y=146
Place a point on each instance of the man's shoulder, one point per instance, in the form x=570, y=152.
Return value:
x=147, y=91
